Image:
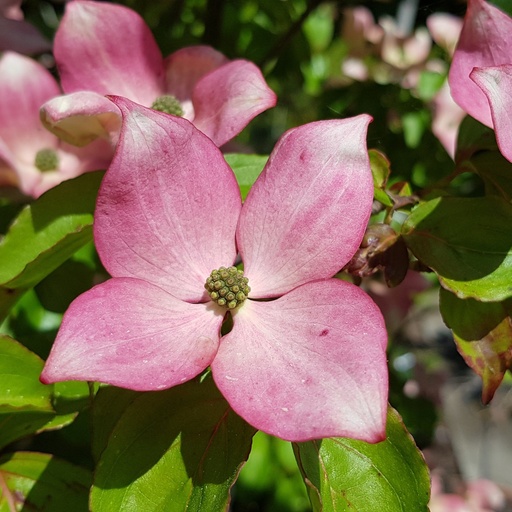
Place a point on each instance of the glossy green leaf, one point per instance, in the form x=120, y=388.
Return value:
x=483, y=334
x=467, y=242
x=48, y=231
x=174, y=450
x=27, y=406
x=345, y=475
x=19, y=375
x=39, y=481
x=247, y=168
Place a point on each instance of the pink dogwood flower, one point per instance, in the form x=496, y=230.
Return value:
x=481, y=71
x=31, y=158
x=305, y=358
x=103, y=48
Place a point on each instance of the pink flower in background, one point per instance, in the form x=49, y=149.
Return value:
x=445, y=30
x=18, y=35
x=479, y=496
x=447, y=115
x=31, y=158
x=102, y=48
x=305, y=358
x=481, y=71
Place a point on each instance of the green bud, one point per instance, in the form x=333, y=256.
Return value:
x=228, y=287
x=168, y=104
x=47, y=160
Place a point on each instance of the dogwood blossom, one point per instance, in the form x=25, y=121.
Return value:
x=305, y=357
x=102, y=48
x=31, y=158
x=481, y=71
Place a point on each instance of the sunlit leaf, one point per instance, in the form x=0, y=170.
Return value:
x=467, y=242
x=186, y=437
x=247, y=168
x=45, y=234
x=39, y=481
x=27, y=406
x=346, y=475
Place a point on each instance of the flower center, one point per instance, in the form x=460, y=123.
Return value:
x=228, y=287
x=168, y=104
x=47, y=160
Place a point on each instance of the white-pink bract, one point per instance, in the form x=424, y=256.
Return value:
x=481, y=71
x=24, y=86
x=102, y=48
x=306, y=355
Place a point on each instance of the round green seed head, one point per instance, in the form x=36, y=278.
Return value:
x=168, y=104
x=227, y=287
x=47, y=160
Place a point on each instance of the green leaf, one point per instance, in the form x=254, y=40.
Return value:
x=483, y=334
x=26, y=405
x=174, y=450
x=345, y=474
x=414, y=124
x=46, y=233
x=19, y=374
x=380, y=168
x=467, y=242
x=247, y=168
x=39, y=481
x=319, y=28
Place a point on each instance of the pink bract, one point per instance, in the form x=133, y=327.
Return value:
x=102, y=48
x=305, y=358
x=24, y=86
x=480, y=74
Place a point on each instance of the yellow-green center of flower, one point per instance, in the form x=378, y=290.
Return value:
x=228, y=287
x=47, y=160
x=168, y=104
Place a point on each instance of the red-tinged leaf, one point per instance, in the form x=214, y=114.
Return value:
x=174, y=450
x=347, y=475
x=483, y=334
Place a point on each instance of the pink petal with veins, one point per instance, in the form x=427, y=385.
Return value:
x=484, y=42
x=228, y=98
x=496, y=84
x=132, y=334
x=168, y=206
x=308, y=365
x=108, y=49
x=307, y=213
